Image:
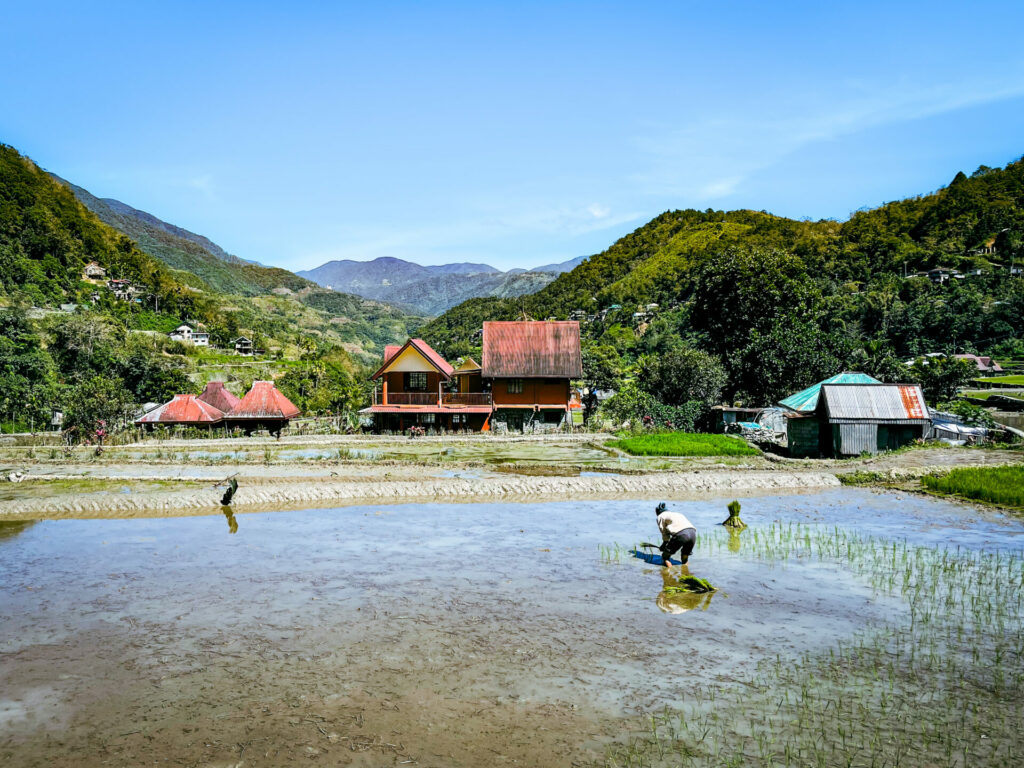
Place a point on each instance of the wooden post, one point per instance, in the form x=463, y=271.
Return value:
x=385, y=390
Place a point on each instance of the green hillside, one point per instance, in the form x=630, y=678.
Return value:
x=77, y=345
x=783, y=302
x=187, y=251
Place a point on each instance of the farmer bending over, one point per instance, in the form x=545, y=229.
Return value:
x=677, y=534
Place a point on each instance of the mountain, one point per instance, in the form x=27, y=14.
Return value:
x=184, y=250
x=49, y=232
x=844, y=279
x=433, y=289
x=562, y=266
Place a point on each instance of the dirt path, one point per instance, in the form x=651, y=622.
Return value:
x=330, y=491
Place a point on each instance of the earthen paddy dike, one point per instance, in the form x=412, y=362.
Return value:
x=409, y=634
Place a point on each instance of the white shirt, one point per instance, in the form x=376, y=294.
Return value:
x=671, y=523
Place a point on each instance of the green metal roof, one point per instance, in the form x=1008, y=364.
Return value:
x=806, y=401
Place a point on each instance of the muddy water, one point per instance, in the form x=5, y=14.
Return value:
x=442, y=634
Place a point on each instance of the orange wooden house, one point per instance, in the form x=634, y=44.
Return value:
x=523, y=378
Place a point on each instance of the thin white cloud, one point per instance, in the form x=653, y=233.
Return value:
x=713, y=155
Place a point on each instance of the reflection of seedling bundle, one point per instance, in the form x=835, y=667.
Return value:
x=688, y=583
x=733, y=521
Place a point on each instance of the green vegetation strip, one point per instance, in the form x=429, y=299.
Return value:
x=939, y=684
x=684, y=444
x=995, y=485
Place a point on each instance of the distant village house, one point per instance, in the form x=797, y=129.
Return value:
x=93, y=271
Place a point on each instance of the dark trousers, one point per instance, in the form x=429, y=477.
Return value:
x=681, y=542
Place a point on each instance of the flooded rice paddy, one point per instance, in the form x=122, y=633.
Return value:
x=850, y=627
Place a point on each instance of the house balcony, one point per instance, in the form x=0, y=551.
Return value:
x=413, y=400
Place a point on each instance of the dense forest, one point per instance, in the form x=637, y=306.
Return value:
x=70, y=344
x=778, y=304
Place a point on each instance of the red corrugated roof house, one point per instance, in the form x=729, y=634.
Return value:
x=525, y=372
x=219, y=397
x=263, y=407
x=186, y=410
x=529, y=365
x=263, y=402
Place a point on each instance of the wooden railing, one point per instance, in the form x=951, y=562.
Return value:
x=466, y=398
x=432, y=398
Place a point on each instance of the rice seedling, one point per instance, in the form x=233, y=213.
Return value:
x=684, y=444
x=940, y=684
x=995, y=485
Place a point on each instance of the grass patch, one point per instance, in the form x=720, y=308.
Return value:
x=994, y=485
x=1016, y=381
x=863, y=477
x=684, y=444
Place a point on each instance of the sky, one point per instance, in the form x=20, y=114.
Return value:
x=514, y=134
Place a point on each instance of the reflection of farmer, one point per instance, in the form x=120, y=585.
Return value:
x=677, y=534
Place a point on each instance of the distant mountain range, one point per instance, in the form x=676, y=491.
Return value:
x=433, y=289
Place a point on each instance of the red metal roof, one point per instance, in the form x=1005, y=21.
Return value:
x=264, y=401
x=183, y=409
x=532, y=349
x=216, y=395
x=431, y=356
x=413, y=410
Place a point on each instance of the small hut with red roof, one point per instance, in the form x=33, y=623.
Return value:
x=183, y=410
x=263, y=407
x=217, y=395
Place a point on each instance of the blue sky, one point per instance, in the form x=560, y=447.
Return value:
x=515, y=134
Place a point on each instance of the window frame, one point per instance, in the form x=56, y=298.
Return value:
x=411, y=387
x=514, y=386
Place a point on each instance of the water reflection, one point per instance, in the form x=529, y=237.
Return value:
x=232, y=523
x=9, y=529
x=680, y=602
x=734, y=539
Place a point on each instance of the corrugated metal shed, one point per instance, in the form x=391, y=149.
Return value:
x=183, y=409
x=263, y=401
x=428, y=352
x=874, y=403
x=216, y=395
x=532, y=349
x=806, y=401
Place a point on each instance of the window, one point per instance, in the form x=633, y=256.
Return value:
x=458, y=418
x=416, y=382
x=514, y=386
x=427, y=418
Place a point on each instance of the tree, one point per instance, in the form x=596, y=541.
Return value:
x=941, y=377
x=790, y=356
x=94, y=400
x=683, y=375
x=602, y=369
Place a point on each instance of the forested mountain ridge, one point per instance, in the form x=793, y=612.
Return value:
x=181, y=249
x=105, y=350
x=743, y=284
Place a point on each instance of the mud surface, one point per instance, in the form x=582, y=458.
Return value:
x=430, y=635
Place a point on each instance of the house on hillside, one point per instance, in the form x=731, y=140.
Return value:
x=523, y=381
x=185, y=334
x=93, y=272
x=243, y=346
x=983, y=364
